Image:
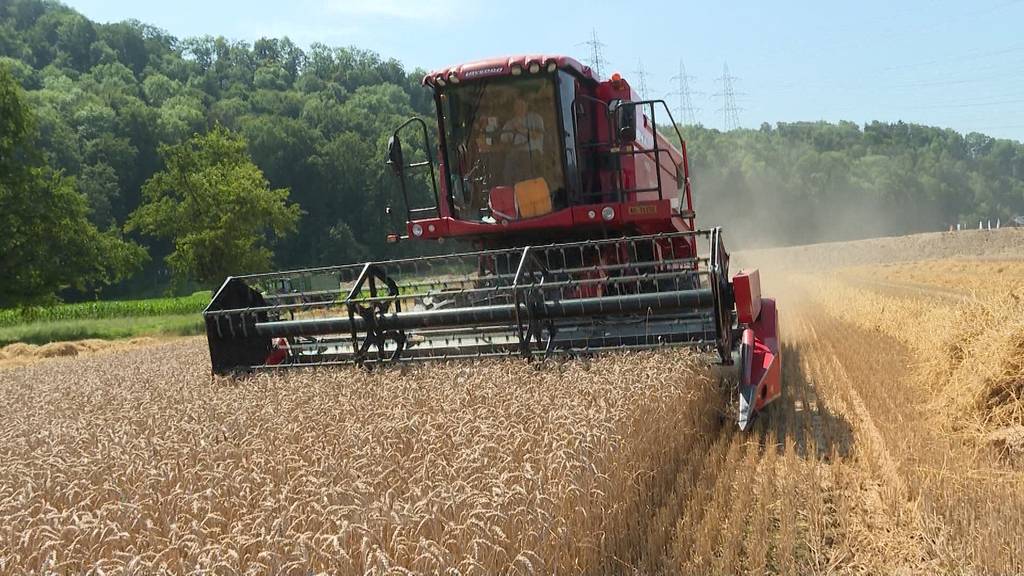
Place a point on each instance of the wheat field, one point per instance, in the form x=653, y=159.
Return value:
x=943, y=340
x=139, y=463
x=896, y=448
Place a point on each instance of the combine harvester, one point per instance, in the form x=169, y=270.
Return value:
x=581, y=220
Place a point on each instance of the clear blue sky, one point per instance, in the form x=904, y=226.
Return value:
x=948, y=63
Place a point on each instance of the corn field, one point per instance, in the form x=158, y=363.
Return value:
x=105, y=309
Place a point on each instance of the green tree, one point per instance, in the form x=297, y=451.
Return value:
x=75, y=35
x=316, y=121
x=217, y=208
x=47, y=243
x=158, y=88
x=179, y=117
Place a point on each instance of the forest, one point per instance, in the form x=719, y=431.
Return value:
x=99, y=120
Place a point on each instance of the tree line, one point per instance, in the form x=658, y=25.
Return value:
x=795, y=183
x=112, y=115
x=108, y=102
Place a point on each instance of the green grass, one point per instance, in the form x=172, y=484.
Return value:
x=103, y=328
x=107, y=320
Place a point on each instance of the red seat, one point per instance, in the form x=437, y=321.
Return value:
x=502, y=203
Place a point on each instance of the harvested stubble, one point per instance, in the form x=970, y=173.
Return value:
x=139, y=464
x=962, y=396
x=970, y=347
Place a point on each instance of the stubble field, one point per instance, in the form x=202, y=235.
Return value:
x=896, y=447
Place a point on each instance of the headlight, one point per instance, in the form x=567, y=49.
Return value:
x=517, y=69
x=551, y=66
x=534, y=67
x=440, y=81
x=607, y=212
x=417, y=230
x=453, y=78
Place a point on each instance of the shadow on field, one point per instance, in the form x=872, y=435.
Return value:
x=801, y=417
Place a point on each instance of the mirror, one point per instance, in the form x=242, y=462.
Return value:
x=395, y=158
x=626, y=122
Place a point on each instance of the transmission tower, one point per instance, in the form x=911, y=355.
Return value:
x=685, y=110
x=641, y=78
x=596, y=61
x=730, y=110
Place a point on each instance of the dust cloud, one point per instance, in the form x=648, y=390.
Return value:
x=764, y=214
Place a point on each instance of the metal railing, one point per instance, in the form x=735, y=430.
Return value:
x=399, y=165
x=617, y=149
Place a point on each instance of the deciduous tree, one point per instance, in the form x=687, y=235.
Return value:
x=47, y=243
x=216, y=207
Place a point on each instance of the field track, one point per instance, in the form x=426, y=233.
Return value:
x=856, y=469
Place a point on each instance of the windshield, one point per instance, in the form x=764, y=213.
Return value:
x=504, y=154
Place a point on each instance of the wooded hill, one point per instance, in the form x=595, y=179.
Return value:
x=104, y=98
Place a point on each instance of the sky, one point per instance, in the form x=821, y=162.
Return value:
x=956, y=64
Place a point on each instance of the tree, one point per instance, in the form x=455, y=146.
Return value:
x=217, y=208
x=316, y=121
x=179, y=117
x=158, y=88
x=47, y=243
x=75, y=36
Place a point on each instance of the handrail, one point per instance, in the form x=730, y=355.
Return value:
x=615, y=150
x=429, y=162
x=656, y=150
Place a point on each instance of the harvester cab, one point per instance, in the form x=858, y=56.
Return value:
x=535, y=150
x=580, y=220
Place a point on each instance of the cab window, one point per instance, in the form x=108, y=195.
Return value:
x=504, y=148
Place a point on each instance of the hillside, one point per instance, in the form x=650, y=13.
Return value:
x=107, y=97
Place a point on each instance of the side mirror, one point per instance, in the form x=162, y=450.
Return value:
x=625, y=123
x=395, y=158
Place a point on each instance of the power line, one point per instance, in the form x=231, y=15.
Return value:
x=730, y=110
x=973, y=55
x=641, y=77
x=685, y=109
x=596, y=60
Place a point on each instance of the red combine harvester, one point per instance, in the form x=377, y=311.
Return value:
x=581, y=220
